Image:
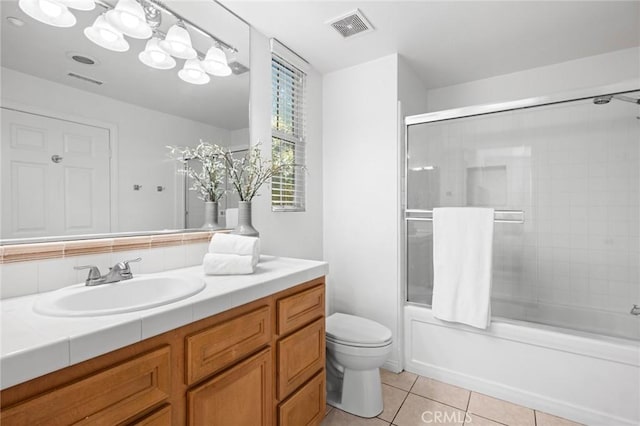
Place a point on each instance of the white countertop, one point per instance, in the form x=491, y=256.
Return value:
x=33, y=345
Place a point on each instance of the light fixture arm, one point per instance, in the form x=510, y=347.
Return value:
x=159, y=5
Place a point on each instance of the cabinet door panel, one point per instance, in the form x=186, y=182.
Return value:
x=110, y=397
x=213, y=349
x=161, y=417
x=299, y=309
x=306, y=406
x=300, y=356
x=240, y=396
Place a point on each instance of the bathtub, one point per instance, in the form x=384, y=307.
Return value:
x=584, y=377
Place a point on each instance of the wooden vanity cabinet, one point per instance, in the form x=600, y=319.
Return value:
x=258, y=364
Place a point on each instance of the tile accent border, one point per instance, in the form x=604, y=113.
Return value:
x=58, y=250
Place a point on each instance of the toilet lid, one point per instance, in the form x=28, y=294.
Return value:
x=356, y=330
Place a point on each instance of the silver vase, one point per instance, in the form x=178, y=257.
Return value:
x=211, y=216
x=244, y=221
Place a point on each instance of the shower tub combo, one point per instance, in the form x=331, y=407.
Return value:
x=563, y=177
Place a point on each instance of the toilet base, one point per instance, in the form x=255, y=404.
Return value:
x=361, y=393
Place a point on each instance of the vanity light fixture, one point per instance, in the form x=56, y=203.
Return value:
x=129, y=18
x=154, y=57
x=105, y=35
x=50, y=12
x=215, y=62
x=177, y=43
x=193, y=73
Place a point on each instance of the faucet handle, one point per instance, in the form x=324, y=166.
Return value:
x=123, y=268
x=94, y=272
x=137, y=259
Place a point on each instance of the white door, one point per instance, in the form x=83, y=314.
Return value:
x=55, y=177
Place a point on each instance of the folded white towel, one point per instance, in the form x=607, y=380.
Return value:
x=462, y=251
x=236, y=244
x=227, y=264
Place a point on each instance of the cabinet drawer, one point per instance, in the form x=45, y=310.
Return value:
x=241, y=396
x=300, y=356
x=110, y=397
x=306, y=406
x=161, y=417
x=299, y=309
x=213, y=349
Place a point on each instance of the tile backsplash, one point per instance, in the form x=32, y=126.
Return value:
x=26, y=270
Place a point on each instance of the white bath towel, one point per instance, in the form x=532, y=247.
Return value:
x=462, y=251
x=227, y=264
x=236, y=244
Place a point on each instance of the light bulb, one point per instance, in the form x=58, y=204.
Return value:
x=109, y=36
x=50, y=8
x=128, y=17
x=153, y=56
x=104, y=35
x=177, y=43
x=129, y=20
x=50, y=12
x=178, y=47
x=158, y=56
x=194, y=74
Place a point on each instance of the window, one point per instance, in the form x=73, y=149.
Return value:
x=287, y=135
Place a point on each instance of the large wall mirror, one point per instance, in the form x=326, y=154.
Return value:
x=85, y=128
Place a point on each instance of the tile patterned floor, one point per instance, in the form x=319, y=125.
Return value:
x=408, y=397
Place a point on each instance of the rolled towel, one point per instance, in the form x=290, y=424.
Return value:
x=227, y=264
x=236, y=244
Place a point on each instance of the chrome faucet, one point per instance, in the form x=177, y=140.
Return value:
x=119, y=272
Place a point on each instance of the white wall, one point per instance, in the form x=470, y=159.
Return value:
x=239, y=138
x=141, y=153
x=411, y=91
x=592, y=71
x=294, y=234
x=361, y=212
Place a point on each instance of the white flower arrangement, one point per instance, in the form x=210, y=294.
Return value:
x=249, y=173
x=209, y=181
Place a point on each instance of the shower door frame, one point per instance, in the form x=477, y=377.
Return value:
x=474, y=111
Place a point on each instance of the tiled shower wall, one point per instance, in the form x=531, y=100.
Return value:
x=573, y=168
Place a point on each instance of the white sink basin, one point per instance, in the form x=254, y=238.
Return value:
x=138, y=293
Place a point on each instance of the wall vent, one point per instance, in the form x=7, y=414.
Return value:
x=351, y=23
x=82, y=77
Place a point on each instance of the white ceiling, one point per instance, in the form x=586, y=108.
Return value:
x=43, y=51
x=450, y=42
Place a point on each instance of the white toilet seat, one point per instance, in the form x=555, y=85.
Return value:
x=359, y=345
x=356, y=331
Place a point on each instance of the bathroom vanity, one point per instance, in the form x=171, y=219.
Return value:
x=257, y=359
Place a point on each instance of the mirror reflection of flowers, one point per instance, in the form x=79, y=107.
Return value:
x=249, y=173
x=208, y=179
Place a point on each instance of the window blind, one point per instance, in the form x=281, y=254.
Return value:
x=288, y=135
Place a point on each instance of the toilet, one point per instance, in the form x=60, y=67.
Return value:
x=356, y=349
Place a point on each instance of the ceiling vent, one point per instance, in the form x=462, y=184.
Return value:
x=351, y=23
x=82, y=77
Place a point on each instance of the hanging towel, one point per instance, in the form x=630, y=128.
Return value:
x=462, y=251
x=227, y=264
x=236, y=244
